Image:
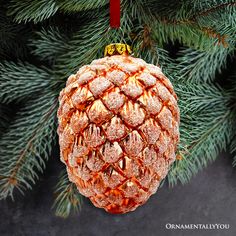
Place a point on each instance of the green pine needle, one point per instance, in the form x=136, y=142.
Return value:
x=203, y=65
x=207, y=141
x=76, y=6
x=67, y=197
x=205, y=129
x=27, y=145
x=20, y=80
x=32, y=10
x=78, y=52
x=5, y=113
x=49, y=43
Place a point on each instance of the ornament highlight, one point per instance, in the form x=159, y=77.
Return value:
x=118, y=129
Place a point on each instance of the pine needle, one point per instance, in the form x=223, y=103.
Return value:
x=21, y=80
x=32, y=10
x=67, y=197
x=27, y=145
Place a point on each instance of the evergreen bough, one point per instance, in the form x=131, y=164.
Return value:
x=42, y=42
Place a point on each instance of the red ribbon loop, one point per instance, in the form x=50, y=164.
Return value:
x=115, y=13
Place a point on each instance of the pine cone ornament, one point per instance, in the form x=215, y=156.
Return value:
x=118, y=130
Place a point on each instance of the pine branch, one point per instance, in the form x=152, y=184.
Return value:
x=213, y=138
x=27, y=144
x=209, y=9
x=18, y=81
x=203, y=65
x=9, y=47
x=206, y=129
x=49, y=43
x=185, y=24
x=82, y=5
x=32, y=10
x=197, y=97
x=5, y=112
x=135, y=11
x=39, y=10
x=191, y=11
x=85, y=45
x=145, y=47
x=67, y=197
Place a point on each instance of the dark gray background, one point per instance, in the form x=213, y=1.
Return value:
x=210, y=197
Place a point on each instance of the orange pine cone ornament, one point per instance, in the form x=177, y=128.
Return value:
x=118, y=130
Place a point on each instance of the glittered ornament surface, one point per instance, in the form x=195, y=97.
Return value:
x=118, y=131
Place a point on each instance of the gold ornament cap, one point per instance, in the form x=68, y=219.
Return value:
x=117, y=49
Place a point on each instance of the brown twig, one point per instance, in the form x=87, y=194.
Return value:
x=147, y=40
x=212, y=9
x=222, y=39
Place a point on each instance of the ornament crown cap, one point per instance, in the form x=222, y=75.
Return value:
x=117, y=49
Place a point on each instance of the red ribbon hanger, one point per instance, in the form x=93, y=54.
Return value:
x=115, y=13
